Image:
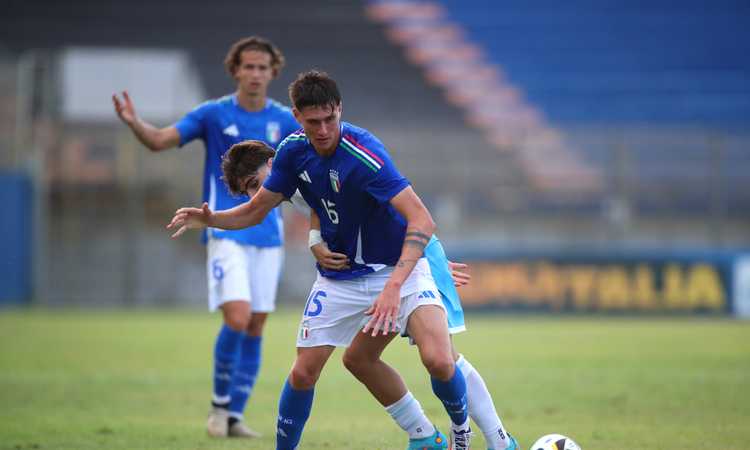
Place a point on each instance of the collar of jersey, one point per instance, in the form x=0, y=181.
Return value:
x=238, y=106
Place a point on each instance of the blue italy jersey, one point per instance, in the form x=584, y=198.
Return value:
x=220, y=124
x=350, y=191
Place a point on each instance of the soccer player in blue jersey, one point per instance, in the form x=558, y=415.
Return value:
x=247, y=165
x=370, y=214
x=243, y=266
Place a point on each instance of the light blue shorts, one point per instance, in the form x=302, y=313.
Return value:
x=435, y=255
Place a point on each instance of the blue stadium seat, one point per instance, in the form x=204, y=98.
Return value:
x=650, y=64
x=659, y=61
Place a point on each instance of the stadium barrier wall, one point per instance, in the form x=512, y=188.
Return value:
x=647, y=281
x=15, y=237
x=742, y=286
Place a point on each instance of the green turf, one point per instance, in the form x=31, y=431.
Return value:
x=137, y=380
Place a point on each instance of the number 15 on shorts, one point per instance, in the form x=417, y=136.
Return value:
x=314, y=306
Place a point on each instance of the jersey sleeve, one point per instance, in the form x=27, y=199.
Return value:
x=282, y=179
x=193, y=124
x=385, y=182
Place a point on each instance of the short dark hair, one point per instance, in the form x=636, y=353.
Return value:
x=314, y=88
x=243, y=159
x=232, y=60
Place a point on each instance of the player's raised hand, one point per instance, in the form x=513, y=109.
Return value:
x=328, y=259
x=384, y=312
x=186, y=218
x=460, y=278
x=124, y=108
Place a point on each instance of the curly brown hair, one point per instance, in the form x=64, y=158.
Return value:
x=232, y=60
x=244, y=159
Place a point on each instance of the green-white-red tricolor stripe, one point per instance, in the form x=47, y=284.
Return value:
x=369, y=158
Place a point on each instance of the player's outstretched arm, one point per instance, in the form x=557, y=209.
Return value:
x=419, y=230
x=152, y=137
x=242, y=216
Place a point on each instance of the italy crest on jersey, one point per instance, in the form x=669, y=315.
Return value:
x=335, y=184
x=273, y=132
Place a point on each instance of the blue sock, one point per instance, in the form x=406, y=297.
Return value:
x=453, y=395
x=245, y=374
x=226, y=351
x=294, y=409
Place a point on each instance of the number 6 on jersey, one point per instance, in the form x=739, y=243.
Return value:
x=329, y=207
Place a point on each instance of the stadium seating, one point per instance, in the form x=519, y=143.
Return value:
x=613, y=61
x=665, y=83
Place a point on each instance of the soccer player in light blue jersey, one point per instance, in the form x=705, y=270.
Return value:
x=369, y=213
x=243, y=266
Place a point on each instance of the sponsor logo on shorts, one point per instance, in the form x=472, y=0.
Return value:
x=426, y=294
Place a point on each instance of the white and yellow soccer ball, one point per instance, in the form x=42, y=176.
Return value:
x=555, y=442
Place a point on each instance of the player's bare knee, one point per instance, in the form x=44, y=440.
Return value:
x=440, y=365
x=303, y=377
x=236, y=315
x=237, y=321
x=355, y=364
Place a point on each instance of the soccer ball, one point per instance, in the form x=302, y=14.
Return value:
x=555, y=442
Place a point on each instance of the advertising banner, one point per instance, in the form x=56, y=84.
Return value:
x=648, y=281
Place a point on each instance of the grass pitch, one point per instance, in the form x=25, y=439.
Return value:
x=141, y=380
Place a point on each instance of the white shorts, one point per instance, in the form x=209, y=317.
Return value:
x=334, y=312
x=243, y=272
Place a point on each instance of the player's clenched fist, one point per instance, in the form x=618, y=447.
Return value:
x=186, y=218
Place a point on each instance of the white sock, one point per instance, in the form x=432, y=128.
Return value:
x=409, y=415
x=464, y=427
x=481, y=408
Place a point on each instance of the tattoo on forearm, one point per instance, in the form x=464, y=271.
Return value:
x=403, y=262
x=417, y=239
x=415, y=243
